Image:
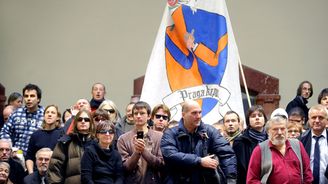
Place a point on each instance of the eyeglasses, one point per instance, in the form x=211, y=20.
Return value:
x=80, y=119
x=110, y=110
x=110, y=131
x=99, y=118
x=45, y=159
x=158, y=116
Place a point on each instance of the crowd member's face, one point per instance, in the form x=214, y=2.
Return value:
x=42, y=161
x=296, y=119
x=256, y=121
x=105, y=137
x=160, y=120
x=5, y=151
x=317, y=121
x=306, y=90
x=4, y=173
x=192, y=115
x=293, y=132
x=98, y=92
x=111, y=112
x=277, y=133
x=50, y=116
x=31, y=100
x=82, y=104
x=17, y=103
x=6, y=113
x=83, y=123
x=140, y=117
x=67, y=116
x=231, y=123
x=324, y=101
x=128, y=112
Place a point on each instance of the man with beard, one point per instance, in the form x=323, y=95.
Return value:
x=42, y=162
x=231, y=126
x=279, y=160
x=304, y=92
x=24, y=121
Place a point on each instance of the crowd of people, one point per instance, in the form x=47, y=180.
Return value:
x=91, y=142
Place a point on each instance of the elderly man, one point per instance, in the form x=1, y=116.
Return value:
x=279, y=160
x=43, y=157
x=315, y=142
x=190, y=150
x=17, y=172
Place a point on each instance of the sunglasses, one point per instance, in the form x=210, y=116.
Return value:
x=110, y=110
x=99, y=119
x=110, y=131
x=158, y=116
x=80, y=119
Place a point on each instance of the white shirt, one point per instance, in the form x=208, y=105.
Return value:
x=323, y=156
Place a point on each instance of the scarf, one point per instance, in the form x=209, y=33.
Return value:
x=259, y=136
x=233, y=137
x=94, y=104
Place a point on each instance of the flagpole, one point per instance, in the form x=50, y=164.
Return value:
x=245, y=84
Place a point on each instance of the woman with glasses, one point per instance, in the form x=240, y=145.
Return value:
x=46, y=137
x=110, y=107
x=65, y=163
x=101, y=163
x=101, y=115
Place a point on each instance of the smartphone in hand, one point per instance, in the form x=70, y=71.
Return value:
x=140, y=134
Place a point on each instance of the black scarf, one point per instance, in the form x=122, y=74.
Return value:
x=259, y=136
x=95, y=103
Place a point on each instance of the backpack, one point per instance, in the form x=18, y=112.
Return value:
x=266, y=158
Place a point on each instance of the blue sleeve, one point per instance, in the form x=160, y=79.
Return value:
x=172, y=155
x=221, y=147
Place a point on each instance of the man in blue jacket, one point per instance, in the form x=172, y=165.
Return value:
x=195, y=152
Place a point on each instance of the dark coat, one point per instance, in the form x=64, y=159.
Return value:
x=182, y=153
x=17, y=172
x=306, y=139
x=34, y=178
x=64, y=166
x=300, y=102
x=243, y=147
x=101, y=166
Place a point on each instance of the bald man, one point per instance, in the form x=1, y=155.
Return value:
x=191, y=149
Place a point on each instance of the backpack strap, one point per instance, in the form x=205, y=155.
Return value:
x=295, y=144
x=266, y=161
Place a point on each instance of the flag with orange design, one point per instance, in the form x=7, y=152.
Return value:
x=195, y=57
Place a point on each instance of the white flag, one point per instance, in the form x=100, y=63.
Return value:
x=195, y=56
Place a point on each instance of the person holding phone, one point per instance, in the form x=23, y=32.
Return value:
x=140, y=149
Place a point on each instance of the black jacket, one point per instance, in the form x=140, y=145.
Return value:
x=101, y=166
x=300, y=102
x=182, y=153
x=306, y=139
x=34, y=178
x=243, y=147
x=17, y=172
